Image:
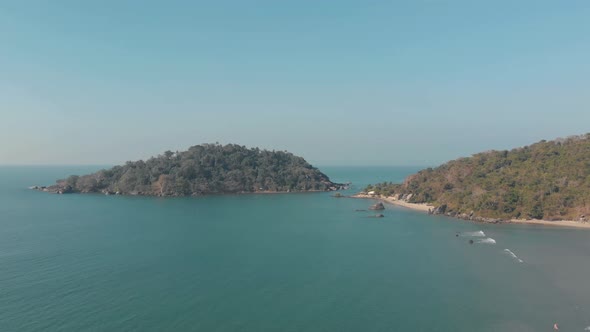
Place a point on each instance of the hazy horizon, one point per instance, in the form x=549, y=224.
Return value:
x=313, y=164
x=397, y=83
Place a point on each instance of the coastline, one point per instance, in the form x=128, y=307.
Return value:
x=414, y=206
x=557, y=223
x=58, y=190
x=426, y=207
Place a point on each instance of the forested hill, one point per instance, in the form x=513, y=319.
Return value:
x=546, y=180
x=203, y=169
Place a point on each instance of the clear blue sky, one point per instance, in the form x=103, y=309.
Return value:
x=338, y=82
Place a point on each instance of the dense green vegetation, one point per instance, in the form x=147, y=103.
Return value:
x=546, y=180
x=204, y=169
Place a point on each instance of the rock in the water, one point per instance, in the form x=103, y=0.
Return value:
x=378, y=206
x=379, y=215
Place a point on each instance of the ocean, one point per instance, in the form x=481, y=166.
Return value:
x=283, y=262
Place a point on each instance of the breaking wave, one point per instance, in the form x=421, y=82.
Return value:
x=513, y=255
x=474, y=234
x=488, y=240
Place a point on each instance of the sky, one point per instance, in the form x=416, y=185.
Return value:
x=337, y=82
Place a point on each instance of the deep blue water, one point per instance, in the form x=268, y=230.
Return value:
x=286, y=262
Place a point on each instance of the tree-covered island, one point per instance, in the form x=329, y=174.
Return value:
x=201, y=170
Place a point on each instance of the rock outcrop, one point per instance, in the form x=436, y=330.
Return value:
x=377, y=206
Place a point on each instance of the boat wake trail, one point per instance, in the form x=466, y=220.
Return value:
x=488, y=240
x=474, y=234
x=513, y=255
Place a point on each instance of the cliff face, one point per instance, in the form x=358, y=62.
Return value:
x=546, y=180
x=203, y=169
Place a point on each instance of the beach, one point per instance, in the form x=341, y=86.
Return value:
x=414, y=206
x=558, y=223
x=425, y=207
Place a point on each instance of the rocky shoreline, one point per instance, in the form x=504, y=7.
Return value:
x=442, y=210
x=61, y=189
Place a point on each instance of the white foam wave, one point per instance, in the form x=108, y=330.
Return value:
x=513, y=255
x=487, y=240
x=474, y=234
x=587, y=328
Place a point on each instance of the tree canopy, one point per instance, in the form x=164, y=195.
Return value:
x=205, y=169
x=546, y=180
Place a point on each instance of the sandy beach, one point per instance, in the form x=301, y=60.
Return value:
x=425, y=207
x=558, y=223
x=391, y=200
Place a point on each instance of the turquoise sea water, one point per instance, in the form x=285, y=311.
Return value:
x=287, y=262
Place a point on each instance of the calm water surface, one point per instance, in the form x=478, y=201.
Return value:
x=289, y=262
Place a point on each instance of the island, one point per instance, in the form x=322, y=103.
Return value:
x=201, y=170
x=545, y=182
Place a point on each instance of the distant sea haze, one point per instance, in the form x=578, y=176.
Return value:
x=293, y=262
